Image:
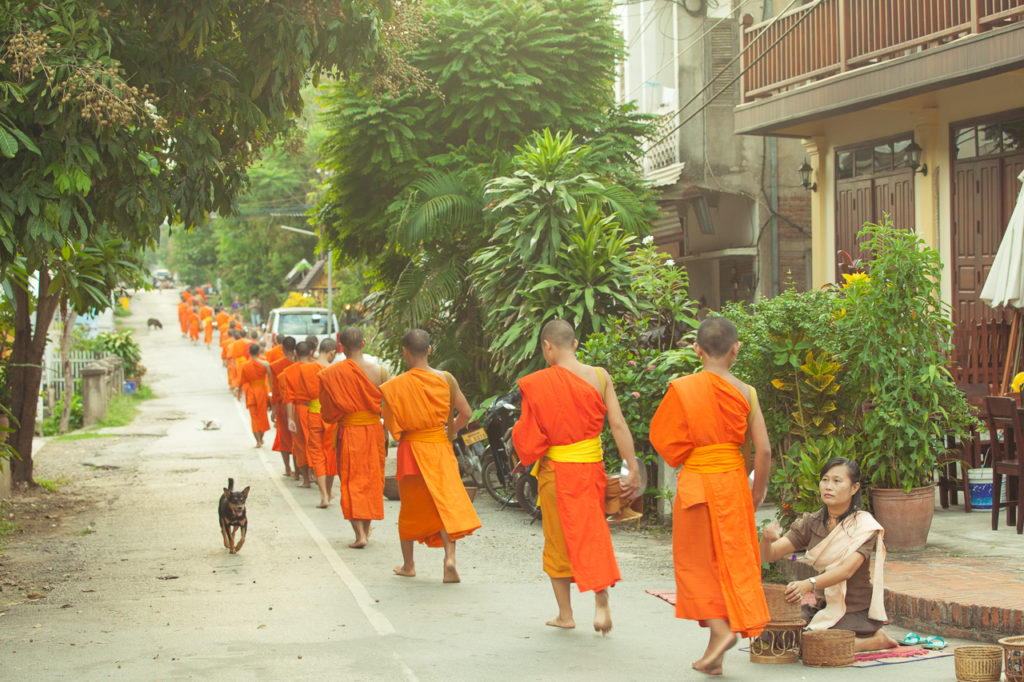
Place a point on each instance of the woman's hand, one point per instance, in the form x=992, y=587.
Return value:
x=796, y=590
x=772, y=532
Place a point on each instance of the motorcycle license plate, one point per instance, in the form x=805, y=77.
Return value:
x=474, y=437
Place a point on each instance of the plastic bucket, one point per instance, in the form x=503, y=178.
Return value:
x=980, y=482
x=129, y=388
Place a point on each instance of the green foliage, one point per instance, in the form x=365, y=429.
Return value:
x=51, y=485
x=51, y=424
x=122, y=344
x=811, y=387
x=776, y=335
x=899, y=335
x=660, y=290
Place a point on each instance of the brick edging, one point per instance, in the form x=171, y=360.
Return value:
x=952, y=619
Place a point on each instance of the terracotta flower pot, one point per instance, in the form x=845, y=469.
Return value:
x=906, y=517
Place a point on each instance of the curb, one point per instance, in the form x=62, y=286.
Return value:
x=952, y=619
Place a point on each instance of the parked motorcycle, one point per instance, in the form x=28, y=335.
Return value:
x=498, y=468
x=471, y=449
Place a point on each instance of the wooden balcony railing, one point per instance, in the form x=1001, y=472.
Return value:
x=833, y=36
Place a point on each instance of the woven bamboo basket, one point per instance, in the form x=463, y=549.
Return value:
x=1013, y=658
x=827, y=648
x=781, y=611
x=391, y=487
x=977, y=663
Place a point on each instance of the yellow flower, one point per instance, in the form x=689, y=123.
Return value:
x=855, y=278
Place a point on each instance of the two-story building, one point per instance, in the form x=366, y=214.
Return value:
x=732, y=207
x=907, y=108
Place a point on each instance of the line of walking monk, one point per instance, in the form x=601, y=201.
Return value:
x=329, y=416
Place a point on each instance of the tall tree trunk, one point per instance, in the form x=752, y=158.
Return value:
x=26, y=371
x=65, y=363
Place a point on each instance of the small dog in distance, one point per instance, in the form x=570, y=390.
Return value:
x=153, y=323
x=232, y=516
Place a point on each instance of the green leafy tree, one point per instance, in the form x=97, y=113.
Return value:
x=408, y=170
x=117, y=116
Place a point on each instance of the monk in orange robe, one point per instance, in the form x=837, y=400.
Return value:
x=187, y=295
x=254, y=379
x=282, y=436
x=193, y=324
x=237, y=353
x=183, y=309
x=702, y=423
x=418, y=408
x=276, y=352
x=296, y=401
x=221, y=318
x=208, y=331
x=350, y=395
x=205, y=311
x=563, y=413
x=320, y=451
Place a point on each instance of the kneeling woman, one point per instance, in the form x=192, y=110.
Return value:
x=839, y=540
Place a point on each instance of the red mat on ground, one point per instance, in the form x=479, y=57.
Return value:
x=667, y=595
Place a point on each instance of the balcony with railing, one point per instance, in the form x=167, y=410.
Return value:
x=816, y=42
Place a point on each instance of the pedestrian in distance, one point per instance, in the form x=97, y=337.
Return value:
x=424, y=409
x=702, y=423
x=564, y=411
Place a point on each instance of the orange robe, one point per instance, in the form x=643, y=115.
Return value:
x=282, y=436
x=701, y=424
x=193, y=326
x=348, y=397
x=320, y=437
x=274, y=354
x=183, y=309
x=253, y=379
x=205, y=311
x=238, y=350
x=289, y=380
x=188, y=297
x=560, y=408
x=207, y=330
x=433, y=497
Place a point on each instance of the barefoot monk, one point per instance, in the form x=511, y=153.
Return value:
x=320, y=437
x=564, y=410
x=702, y=423
x=254, y=380
x=418, y=409
x=350, y=394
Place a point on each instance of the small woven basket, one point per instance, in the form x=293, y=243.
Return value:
x=391, y=488
x=827, y=648
x=978, y=663
x=1013, y=658
x=781, y=611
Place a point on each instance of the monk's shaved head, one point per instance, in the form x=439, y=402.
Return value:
x=328, y=346
x=303, y=348
x=716, y=336
x=352, y=338
x=558, y=333
x=279, y=339
x=288, y=343
x=254, y=350
x=417, y=342
x=313, y=341
x=253, y=334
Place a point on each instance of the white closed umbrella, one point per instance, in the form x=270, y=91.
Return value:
x=1004, y=285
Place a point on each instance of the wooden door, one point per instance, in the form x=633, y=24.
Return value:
x=894, y=195
x=854, y=207
x=976, y=230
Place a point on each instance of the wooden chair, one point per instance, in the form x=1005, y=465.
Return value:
x=963, y=455
x=1006, y=429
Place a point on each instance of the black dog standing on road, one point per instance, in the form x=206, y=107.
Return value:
x=232, y=515
x=153, y=322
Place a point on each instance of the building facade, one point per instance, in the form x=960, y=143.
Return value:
x=732, y=209
x=911, y=109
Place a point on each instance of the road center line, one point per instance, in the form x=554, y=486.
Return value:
x=359, y=592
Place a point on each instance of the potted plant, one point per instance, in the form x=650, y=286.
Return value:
x=898, y=334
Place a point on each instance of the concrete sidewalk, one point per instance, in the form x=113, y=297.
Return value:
x=968, y=582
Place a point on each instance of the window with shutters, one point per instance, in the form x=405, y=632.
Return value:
x=723, y=46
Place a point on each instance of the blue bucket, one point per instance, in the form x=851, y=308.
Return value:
x=980, y=483
x=129, y=388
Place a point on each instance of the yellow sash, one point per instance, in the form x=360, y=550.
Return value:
x=434, y=435
x=258, y=383
x=363, y=418
x=582, y=452
x=715, y=459
x=314, y=406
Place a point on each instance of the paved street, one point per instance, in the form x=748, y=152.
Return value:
x=156, y=596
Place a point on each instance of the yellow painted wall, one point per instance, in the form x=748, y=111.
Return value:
x=928, y=117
